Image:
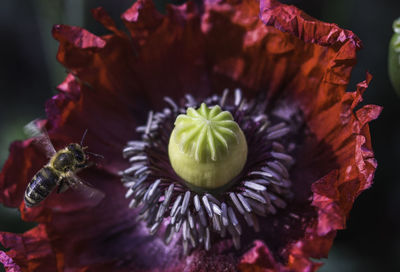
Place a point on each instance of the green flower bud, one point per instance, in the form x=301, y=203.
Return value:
x=207, y=148
x=394, y=56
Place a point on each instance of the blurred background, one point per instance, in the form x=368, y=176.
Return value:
x=29, y=74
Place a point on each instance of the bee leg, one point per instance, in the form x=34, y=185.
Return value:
x=85, y=165
x=62, y=187
x=90, y=164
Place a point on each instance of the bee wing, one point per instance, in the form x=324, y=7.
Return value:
x=88, y=190
x=40, y=138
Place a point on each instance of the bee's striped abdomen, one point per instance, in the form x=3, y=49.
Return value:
x=40, y=186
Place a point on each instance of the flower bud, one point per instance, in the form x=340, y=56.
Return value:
x=394, y=56
x=207, y=148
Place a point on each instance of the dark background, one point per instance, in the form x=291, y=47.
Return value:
x=29, y=74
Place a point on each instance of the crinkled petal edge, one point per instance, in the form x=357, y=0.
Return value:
x=333, y=197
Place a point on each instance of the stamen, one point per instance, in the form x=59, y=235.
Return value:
x=171, y=103
x=224, y=97
x=149, y=121
x=169, y=207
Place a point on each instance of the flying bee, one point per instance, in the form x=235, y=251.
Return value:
x=61, y=169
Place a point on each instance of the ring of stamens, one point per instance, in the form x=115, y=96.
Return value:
x=165, y=202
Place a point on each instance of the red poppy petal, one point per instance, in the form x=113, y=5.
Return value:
x=259, y=258
x=71, y=112
x=8, y=263
x=32, y=250
x=340, y=143
x=101, y=15
x=16, y=171
x=339, y=147
x=128, y=66
x=142, y=20
x=290, y=19
x=172, y=43
x=103, y=65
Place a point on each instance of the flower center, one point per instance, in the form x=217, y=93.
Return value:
x=203, y=143
x=238, y=139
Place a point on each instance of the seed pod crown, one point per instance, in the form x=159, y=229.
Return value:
x=204, y=144
x=207, y=133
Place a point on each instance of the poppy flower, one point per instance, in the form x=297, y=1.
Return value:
x=280, y=74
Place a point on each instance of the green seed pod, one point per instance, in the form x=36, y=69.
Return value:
x=394, y=56
x=207, y=148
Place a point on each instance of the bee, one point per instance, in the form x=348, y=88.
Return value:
x=60, y=171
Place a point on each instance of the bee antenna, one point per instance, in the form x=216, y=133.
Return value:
x=83, y=136
x=96, y=155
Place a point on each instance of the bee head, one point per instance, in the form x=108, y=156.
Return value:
x=78, y=152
